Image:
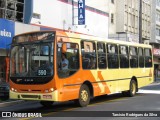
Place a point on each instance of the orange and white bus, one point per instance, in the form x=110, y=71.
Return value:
x=94, y=67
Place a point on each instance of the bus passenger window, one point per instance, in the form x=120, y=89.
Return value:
x=124, y=58
x=112, y=56
x=71, y=57
x=133, y=57
x=148, y=58
x=88, y=55
x=141, y=57
x=101, y=55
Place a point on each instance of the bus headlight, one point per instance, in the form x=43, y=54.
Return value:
x=51, y=89
x=12, y=89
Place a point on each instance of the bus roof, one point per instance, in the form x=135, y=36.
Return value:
x=90, y=38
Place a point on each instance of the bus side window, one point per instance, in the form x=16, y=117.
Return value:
x=148, y=58
x=88, y=55
x=141, y=57
x=85, y=61
x=72, y=55
x=101, y=55
x=113, y=61
x=124, y=58
x=133, y=57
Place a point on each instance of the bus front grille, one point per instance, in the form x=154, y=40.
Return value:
x=30, y=96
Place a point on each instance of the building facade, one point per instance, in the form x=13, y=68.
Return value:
x=155, y=34
x=63, y=15
x=125, y=19
x=13, y=15
x=8, y=29
x=16, y=10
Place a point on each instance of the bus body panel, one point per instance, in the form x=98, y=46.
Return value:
x=69, y=90
x=103, y=81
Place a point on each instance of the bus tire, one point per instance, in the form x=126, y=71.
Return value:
x=133, y=88
x=46, y=103
x=84, y=96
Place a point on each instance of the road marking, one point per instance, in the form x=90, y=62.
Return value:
x=149, y=91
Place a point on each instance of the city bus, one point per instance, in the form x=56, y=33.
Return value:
x=95, y=66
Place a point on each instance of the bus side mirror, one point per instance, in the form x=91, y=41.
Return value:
x=64, y=48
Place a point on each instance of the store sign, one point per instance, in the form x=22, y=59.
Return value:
x=156, y=52
x=6, y=33
x=81, y=12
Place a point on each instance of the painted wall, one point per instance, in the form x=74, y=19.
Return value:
x=58, y=14
x=22, y=28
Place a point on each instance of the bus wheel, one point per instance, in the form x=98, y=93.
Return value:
x=84, y=96
x=46, y=103
x=133, y=88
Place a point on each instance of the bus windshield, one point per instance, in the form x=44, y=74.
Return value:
x=32, y=58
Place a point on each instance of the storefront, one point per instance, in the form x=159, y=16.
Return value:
x=6, y=33
x=156, y=59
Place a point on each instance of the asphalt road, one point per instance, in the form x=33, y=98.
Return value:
x=147, y=99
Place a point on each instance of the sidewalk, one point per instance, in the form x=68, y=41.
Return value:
x=157, y=80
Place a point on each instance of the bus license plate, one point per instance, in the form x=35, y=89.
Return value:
x=47, y=96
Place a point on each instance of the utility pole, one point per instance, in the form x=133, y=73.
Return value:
x=140, y=21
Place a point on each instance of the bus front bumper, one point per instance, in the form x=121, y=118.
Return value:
x=53, y=96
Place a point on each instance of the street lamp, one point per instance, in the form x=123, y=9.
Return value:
x=140, y=21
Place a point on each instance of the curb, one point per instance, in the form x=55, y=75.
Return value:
x=155, y=83
x=9, y=103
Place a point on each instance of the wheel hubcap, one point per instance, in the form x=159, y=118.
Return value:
x=133, y=88
x=84, y=95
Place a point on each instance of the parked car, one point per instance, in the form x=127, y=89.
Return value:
x=4, y=91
